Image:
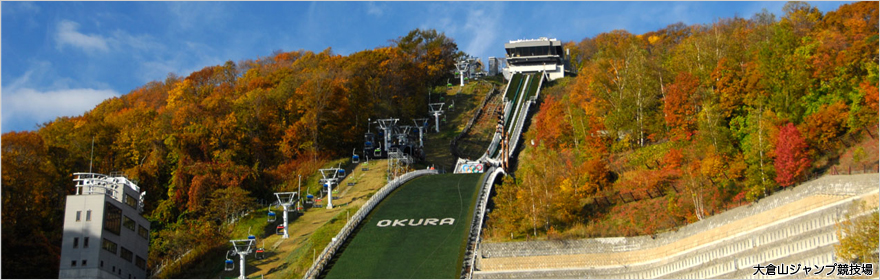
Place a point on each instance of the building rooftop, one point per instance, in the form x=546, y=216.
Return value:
x=113, y=185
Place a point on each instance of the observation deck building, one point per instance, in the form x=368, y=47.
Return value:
x=105, y=235
x=534, y=56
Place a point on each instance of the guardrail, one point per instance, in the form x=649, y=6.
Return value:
x=470, y=255
x=355, y=220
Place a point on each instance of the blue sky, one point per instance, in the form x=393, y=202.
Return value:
x=63, y=58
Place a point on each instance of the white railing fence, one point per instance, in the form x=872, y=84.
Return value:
x=470, y=255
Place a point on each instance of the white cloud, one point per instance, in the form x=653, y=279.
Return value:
x=68, y=35
x=198, y=15
x=374, y=9
x=146, y=43
x=475, y=27
x=24, y=107
x=20, y=8
x=483, y=26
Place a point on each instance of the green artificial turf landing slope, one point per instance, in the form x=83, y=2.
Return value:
x=428, y=244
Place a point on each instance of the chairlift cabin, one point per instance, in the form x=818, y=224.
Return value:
x=230, y=265
x=259, y=254
x=369, y=143
x=279, y=230
x=272, y=216
x=340, y=173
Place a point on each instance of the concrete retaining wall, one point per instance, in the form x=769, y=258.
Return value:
x=795, y=226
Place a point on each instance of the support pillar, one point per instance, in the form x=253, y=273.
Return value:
x=241, y=258
x=329, y=196
x=285, y=222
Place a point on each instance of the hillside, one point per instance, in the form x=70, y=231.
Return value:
x=229, y=134
x=657, y=130
x=666, y=128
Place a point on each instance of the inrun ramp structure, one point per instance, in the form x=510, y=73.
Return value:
x=522, y=91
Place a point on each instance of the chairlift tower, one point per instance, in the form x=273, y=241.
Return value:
x=286, y=199
x=330, y=179
x=403, y=133
x=421, y=124
x=463, y=66
x=387, y=125
x=436, y=110
x=243, y=247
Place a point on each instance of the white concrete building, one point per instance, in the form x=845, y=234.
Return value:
x=535, y=55
x=105, y=235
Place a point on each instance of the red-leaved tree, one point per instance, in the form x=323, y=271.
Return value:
x=792, y=160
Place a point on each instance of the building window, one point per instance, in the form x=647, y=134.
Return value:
x=143, y=232
x=73, y=263
x=110, y=246
x=131, y=201
x=112, y=218
x=88, y=215
x=126, y=254
x=102, y=263
x=140, y=263
x=75, y=242
x=128, y=223
x=78, y=214
x=83, y=262
x=85, y=242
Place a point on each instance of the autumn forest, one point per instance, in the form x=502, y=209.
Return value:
x=665, y=128
x=655, y=131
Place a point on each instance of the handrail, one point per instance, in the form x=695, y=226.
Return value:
x=470, y=255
